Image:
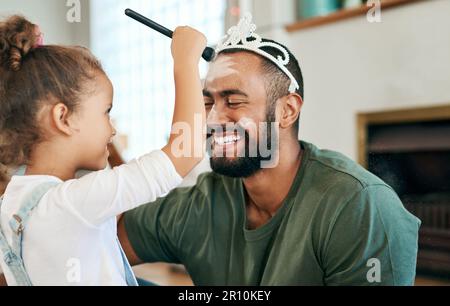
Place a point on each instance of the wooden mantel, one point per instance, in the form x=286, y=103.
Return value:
x=343, y=14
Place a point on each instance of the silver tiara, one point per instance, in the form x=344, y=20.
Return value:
x=238, y=38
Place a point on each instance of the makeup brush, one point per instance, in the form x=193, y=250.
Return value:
x=207, y=55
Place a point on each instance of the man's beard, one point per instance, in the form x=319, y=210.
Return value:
x=247, y=166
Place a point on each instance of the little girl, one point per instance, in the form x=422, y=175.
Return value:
x=54, y=118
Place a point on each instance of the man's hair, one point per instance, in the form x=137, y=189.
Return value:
x=276, y=81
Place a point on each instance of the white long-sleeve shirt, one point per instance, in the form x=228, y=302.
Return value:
x=71, y=236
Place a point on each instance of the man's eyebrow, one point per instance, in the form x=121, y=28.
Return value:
x=225, y=93
x=230, y=92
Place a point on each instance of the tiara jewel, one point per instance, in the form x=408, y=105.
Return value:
x=243, y=36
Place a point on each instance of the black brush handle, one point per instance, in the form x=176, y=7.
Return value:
x=208, y=53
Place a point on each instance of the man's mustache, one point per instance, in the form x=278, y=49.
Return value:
x=236, y=128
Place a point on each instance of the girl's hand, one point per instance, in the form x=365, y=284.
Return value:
x=188, y=45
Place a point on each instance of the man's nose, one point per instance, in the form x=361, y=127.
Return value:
x=217, y=116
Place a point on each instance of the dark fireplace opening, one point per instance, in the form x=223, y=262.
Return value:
x=414, y=158
x=414, y=173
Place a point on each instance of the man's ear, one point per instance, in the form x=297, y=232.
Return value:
x=60, y=116
x=290, y=109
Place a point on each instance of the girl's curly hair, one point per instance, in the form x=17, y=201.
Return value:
x=30, y=77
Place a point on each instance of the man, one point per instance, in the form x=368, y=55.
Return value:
x=312, y=217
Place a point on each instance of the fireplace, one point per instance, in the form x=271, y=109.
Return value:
x=410, y=150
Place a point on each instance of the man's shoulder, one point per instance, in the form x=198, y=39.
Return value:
x=339, y=186
x=332, y=166
x=332, y=180
x=210, y=183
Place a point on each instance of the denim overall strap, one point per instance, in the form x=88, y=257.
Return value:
x=13, y=254
x=11, y=260
x=21, y=171
x=129, y=275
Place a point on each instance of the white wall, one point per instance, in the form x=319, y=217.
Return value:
x=352, y=65
x=50, y=15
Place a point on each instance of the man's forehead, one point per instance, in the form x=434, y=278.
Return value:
x=232, y=70
x=223, y=67
x=240, y=60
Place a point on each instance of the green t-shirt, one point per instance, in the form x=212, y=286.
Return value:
x=339, y=225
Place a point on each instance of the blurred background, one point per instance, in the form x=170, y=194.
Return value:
x=377, y=87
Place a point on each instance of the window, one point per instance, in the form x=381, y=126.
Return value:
x=139, y=63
